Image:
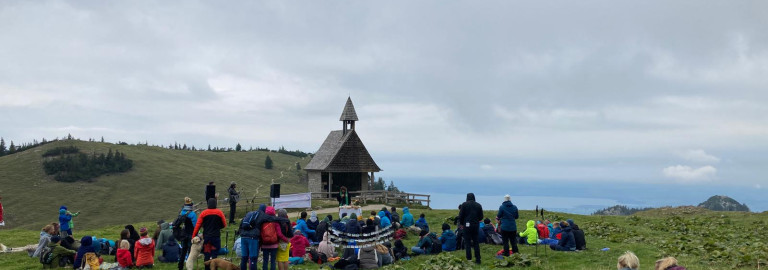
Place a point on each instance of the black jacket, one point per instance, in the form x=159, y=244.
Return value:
x=210, y=192
x=471, y=212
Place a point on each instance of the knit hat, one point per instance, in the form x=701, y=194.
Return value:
x=143, y=230
x=506, y=198
x=270, y=211
x=63, y=207
x=212, y=203
x=187, y=200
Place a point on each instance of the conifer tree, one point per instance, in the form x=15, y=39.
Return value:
x=2, y=147
x=268, y=163
x=12, y=148
x=238, y=147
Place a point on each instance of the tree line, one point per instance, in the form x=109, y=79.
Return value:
x=69, y=166
x=13, y=148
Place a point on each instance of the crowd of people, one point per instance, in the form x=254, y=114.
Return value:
x=269, y=233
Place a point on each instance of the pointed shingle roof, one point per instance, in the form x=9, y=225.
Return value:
x=342, y=153
x=349, y=113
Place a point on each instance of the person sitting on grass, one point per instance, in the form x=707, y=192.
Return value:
x=530, y=234
x=384, y=220
x=668, y=263
x=45, y=239
x=424, y=245
x=566, y=242
x=488, y=231
x=123, y=255
x=368, y=257
x=369, y=226
x=628, y=261
x=59, y=253
x=400, y=251
x=299, y=244
x=422, y=223
x=554, y=233
x=407, y=220
x=302, y=226
x=448, y=238
x=144, y=250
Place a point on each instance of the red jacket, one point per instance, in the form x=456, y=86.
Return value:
x=124, y=257
x=543, y=231
x=299, y=245
x=144, y=251
x=1, y=212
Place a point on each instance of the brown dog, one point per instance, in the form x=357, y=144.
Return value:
x=221, y=264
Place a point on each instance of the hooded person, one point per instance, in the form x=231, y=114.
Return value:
x=312, y=222
x=530, y=233
x=578, y=235
x=64, y=219
x=165, y=236
x=58, y=253
x=322, y=227
x=400, y=250
x=385, y=221
x=369, y=227
x=187, y=210
x=470, y=215
x=269, y=250
x=212, y=221
x=353, y=227
x=86, y=246
x=144, y=250
x=407, y=219
x=133, y=236
x=326, y=246
x=508, y=216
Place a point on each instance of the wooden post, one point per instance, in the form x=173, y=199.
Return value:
x=428, y=200
x=330, y=185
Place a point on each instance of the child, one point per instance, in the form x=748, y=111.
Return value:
x=65, y=219
x=530, y=233
x=422, y=223
x=124, y=255
x=628, y=261
x=144, y=250
x=58, y=252
x=448, y=238
x=299, y=244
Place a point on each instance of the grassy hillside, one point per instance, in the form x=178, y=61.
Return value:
x=153, y=189
x=700, y=240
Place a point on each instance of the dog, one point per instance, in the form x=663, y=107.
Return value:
x=221, y=264
x=194, y=252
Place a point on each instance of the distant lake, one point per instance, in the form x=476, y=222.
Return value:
x=577, y=197
x=572, y=205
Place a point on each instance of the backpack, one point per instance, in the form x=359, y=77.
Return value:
x=319, y=258
x=268, y=233
x=46, y=256
x=245, y=224
x=495, y=239
x=400, y=234
x=180, y=227
x=437, y=245
x=90, y=261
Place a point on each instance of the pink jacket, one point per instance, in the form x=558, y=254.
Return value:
x=299, y=245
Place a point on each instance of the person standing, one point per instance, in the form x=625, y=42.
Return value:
x=470, y=215
x=212, y=221
x=210, y=191
x=508, y=216
x=250, y=233
x=343, y=196
x=234, y=197
x=2, y=221
x=189, y=225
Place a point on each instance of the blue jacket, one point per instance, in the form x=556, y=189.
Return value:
x=481, y=233
x=171, y=251
x=567, y=240
x=339, y=226
x=553, y=233
x=301, y=225
x=448, y=238
x=422, y=224
x=384, y=219
x=407, y=219
x=191, y=215
x=508, y=214
x=64, y=219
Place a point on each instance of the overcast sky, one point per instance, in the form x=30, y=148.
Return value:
x=651, y=91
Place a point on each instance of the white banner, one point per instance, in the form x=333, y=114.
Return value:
x=299, y=200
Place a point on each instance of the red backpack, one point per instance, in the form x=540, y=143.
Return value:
x=268, y=233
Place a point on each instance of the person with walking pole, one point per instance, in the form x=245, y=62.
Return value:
x=470, y=215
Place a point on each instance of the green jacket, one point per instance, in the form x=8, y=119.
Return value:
x=425, y=243
x=166, y=234
x=531, y=233
x=58, y=253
